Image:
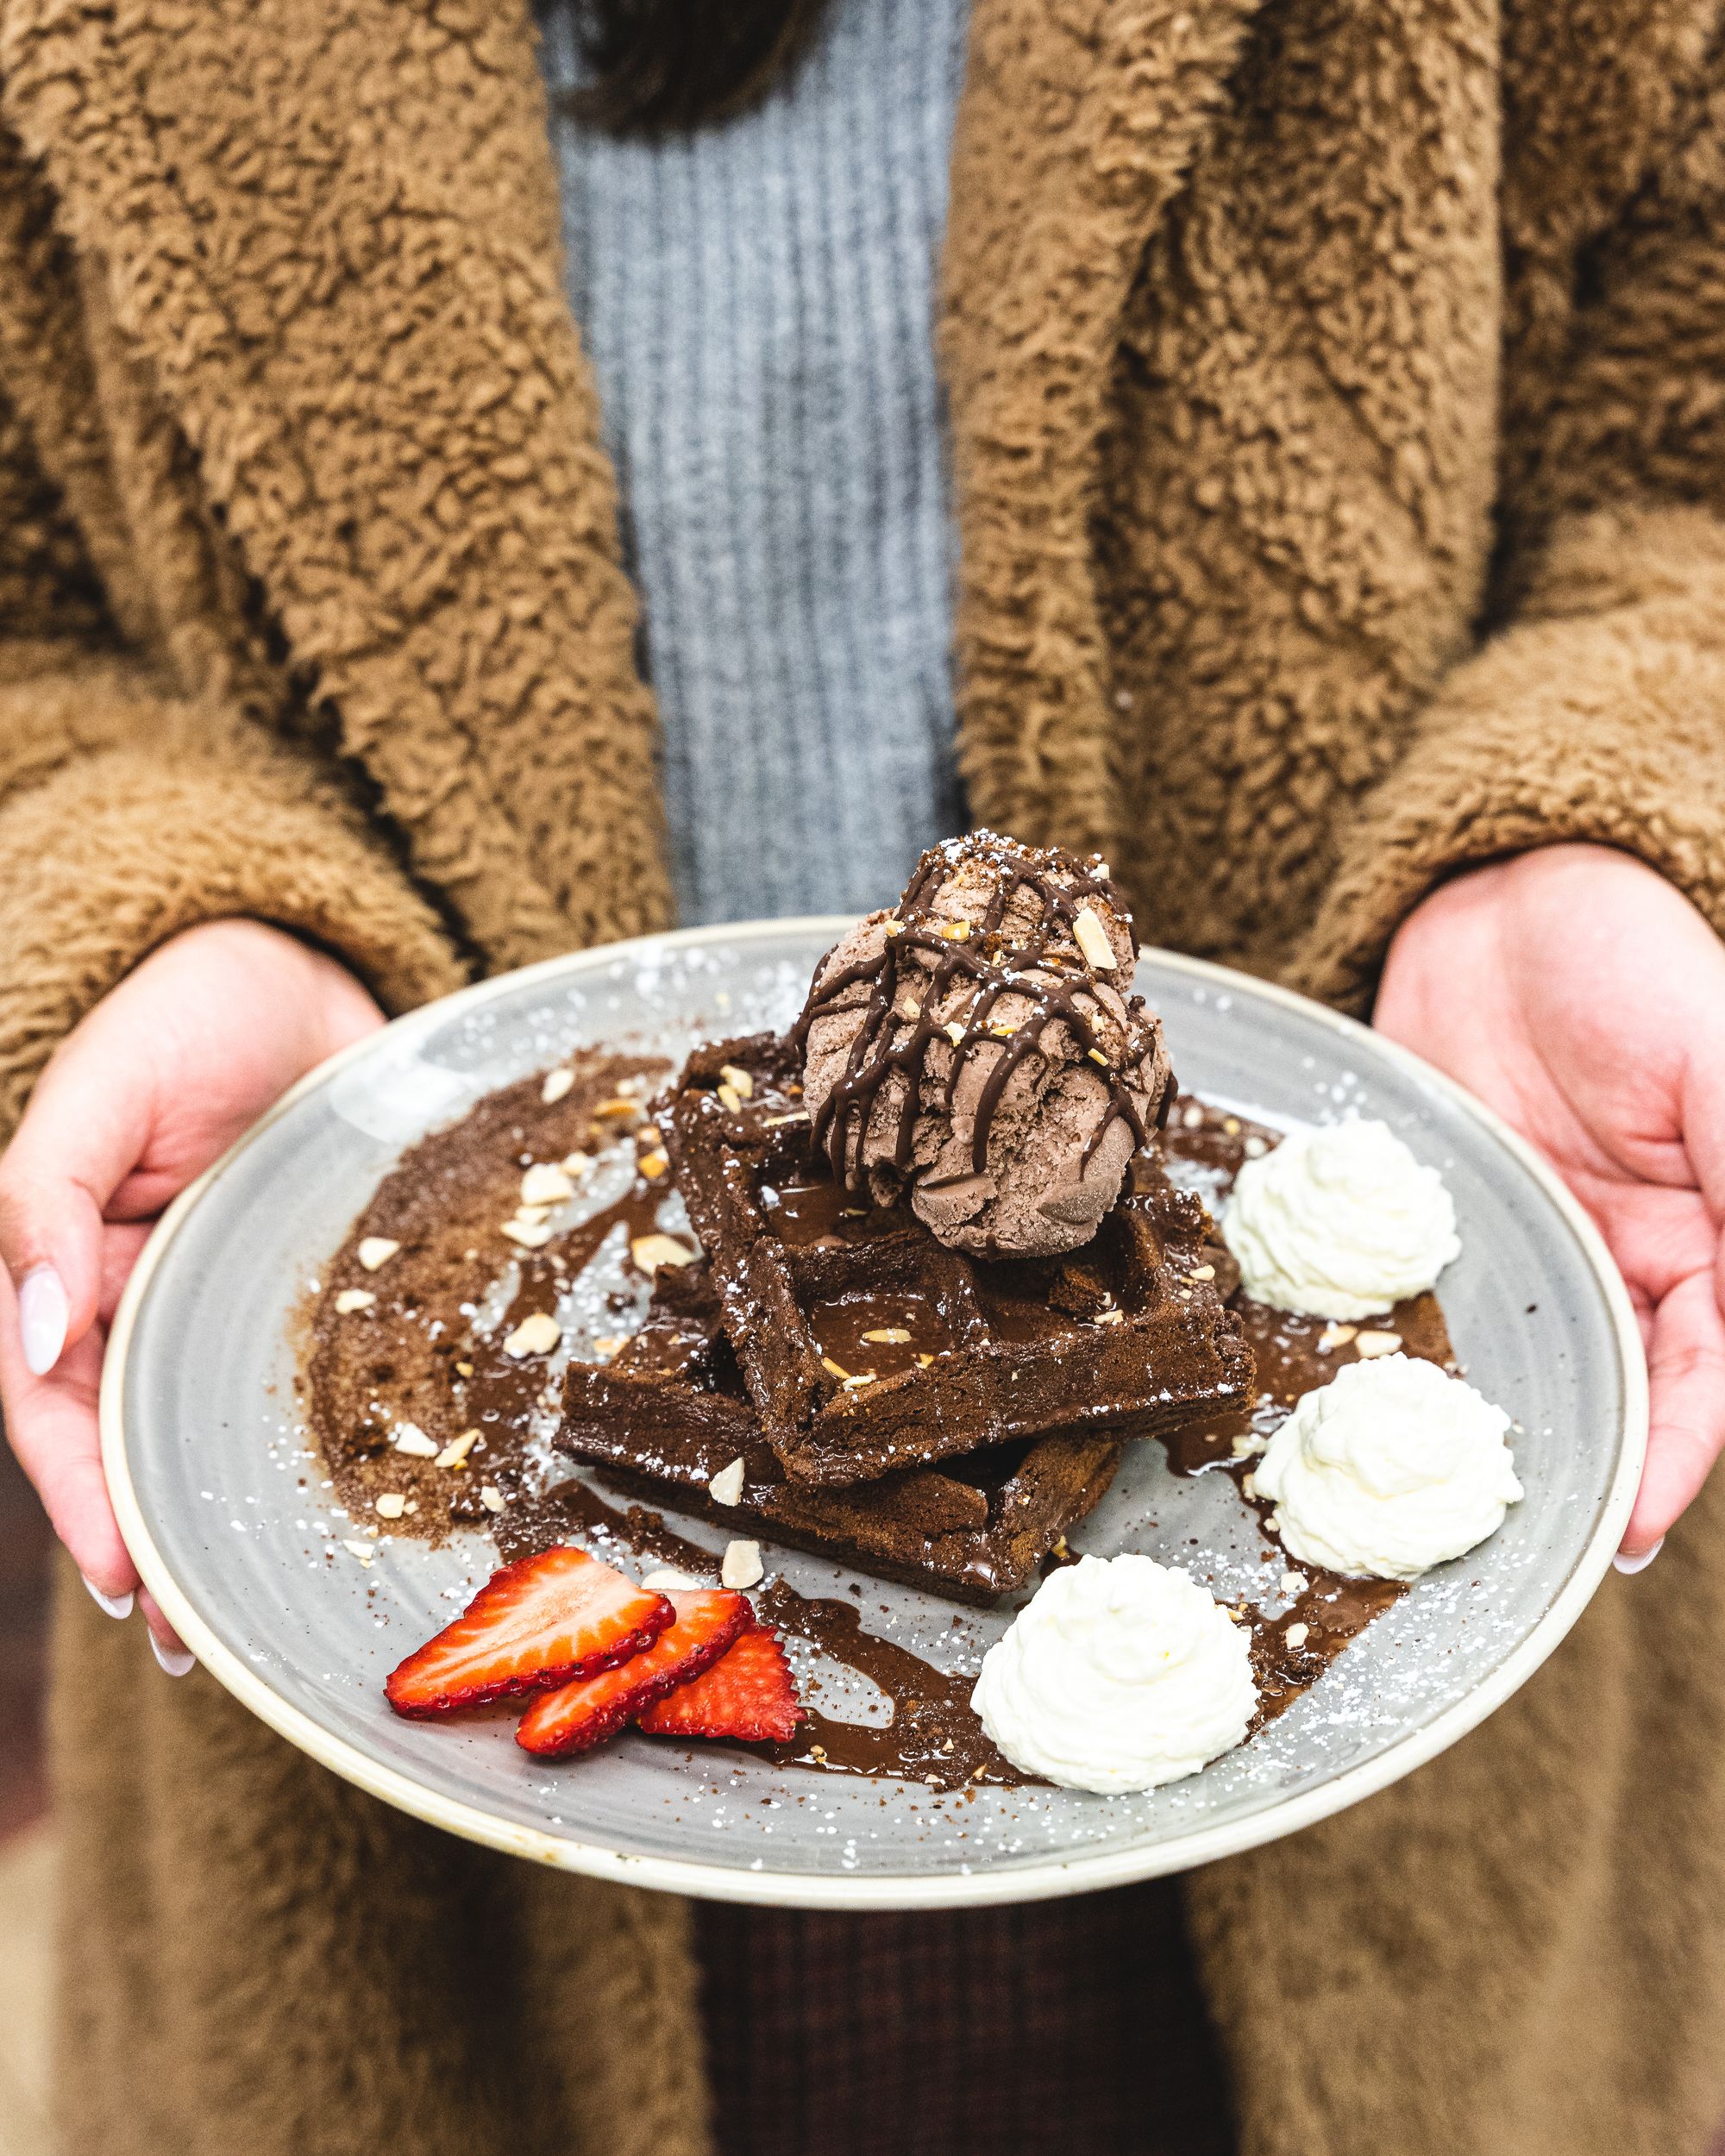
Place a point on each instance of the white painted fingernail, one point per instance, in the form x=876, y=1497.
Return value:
x=42, y=1314
x=1626, y=1564
x=175, y=1660
x=115, y=1605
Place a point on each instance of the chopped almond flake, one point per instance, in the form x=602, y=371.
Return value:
x=1335, y=1336
x=742, y=1566
x=1109, y=1317
x=412, y=1441
x=649, y=1252
x=536, y=1335
x=738, y=1081
x=956, y=931
x=464, y=1370
x=1294, y=1583
x=653, y=1165
x=491, y=1497
x=618, y=1106
x=362, y=1551
x=1203, y=1272
x=352, y=1299
x=375, y=1250
x=1297, y=1635
x=455, y=1453
x=531, y=1235
x=777, y=1122
x=726, y=1486
x=557, y=1083
x=896, y=928
x=1092, y=938
x=835, y=1369
x=1097, y=1056
x=666, y=1578
x=1231, y=1124
x=390, y=1505
x=954, y=1032
x=545, y=1184
x=910, y=1008
x=923, y=1361
x=730, y=1099
x=576, y=1164
x=888, y=1336
x=1368, y=1345
x=858, y=1379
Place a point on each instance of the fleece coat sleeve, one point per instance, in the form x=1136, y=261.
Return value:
x=113, y=849
x=128, y=811
x=1596, y=709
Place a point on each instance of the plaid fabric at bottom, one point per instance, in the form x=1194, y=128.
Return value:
x=1025, y=2031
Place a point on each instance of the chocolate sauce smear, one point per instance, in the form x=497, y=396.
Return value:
x=932, y=1737
x=1294, y=1354
x=994, y=966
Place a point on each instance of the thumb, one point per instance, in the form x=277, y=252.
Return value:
x=84, y=1131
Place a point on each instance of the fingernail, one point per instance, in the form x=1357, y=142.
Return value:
x=115, y=1605
x=42, y=1314
x=175, y=1660
x=1627, y=1564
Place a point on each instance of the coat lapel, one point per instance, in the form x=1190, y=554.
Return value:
x=328, y=229
x=1080, y=121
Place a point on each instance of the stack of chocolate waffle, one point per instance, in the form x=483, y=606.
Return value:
x=832, y=1376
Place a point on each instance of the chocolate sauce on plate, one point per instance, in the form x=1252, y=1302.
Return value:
x=932, y=1736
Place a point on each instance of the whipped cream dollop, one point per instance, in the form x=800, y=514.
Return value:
x=1340, y=1221
x=1391, y=1468
x=1120, y=1675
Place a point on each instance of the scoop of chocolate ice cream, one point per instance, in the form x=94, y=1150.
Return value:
x=979, y=1049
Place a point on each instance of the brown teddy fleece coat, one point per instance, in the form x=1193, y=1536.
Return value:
x=1338, y=408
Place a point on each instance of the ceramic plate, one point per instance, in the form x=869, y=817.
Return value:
x=235, y=1532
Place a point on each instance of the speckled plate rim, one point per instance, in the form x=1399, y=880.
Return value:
x=1035, y=1881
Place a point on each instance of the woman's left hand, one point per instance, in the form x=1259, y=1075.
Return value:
x=1582, y=997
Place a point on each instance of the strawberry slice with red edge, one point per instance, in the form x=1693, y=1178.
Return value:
x=749, y=1695
x=546, y=1620
x=575, y=1717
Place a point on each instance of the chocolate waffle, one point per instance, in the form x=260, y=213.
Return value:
x=867, y=1347
x=670, y=1411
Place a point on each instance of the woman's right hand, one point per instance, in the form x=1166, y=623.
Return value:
x=162, y=1076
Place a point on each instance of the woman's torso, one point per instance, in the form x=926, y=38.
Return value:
x=758, y=300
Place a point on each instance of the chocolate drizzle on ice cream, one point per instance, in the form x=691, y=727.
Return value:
x=978, y=1049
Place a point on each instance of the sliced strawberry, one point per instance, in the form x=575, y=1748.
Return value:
x=577, y=1716
x=550, y=1618
x=749, y=1695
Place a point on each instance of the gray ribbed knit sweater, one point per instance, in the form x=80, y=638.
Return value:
x=757, y=300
